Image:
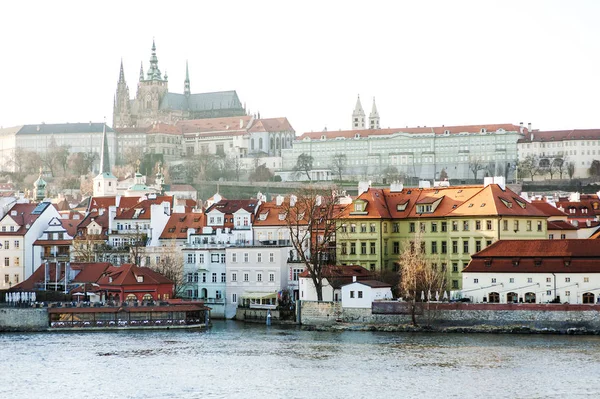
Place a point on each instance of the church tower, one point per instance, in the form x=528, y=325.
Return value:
x=358, y=116
x=374, y=117
x=150, y=92
x=105, y=184
x=186, y=83
x=122, y=104
x=39, y=188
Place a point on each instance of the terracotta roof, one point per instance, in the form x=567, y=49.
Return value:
x=141, y=210
x=226, y=124
x=179, y=223
x=271, y=125
x=560, y=135
x=127, y=275
x=230, y=206
x=23, y=216
x=438, y=130
x=492, y=200
x=560, y=225
x=70, y=220
x=372, y=283
x=100, y=203
x=335, y=271
x=163, y=128
x=87, y=273
x=548, y=208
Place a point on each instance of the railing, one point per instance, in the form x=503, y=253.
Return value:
x=125, y=323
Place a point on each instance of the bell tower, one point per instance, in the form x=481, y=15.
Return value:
x=122, y=103
x=358, y=116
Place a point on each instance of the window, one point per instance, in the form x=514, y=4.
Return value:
x=296, y=273
x=352, y=248
x=259, y=277
x=223, y=277
x=434, y=247
x=372, y=248
x=528, y=225
x=548, y=279
x=6, y=278
x=444, y=227
x=493, y=280
x=363, y=227
x=351, y=293
x=465, y=247
x=422, y=227
x=385, y=227
x=539, y=226
x=567, y=293
x=454, y=246
x=246, y=257
x=511, y=280
x=360, y=294
x=454, y=225
x=395, y=228
x=529, y=279
x=455, y=284
x=344, y=228
x=478, y=225
x=234, y=298
x=246, y=277
x=204, y=277
x=214, y=258
x=344, y=250
x=234, y=277
x=563, y=236
x=586, y=279
x=488, y=224
x=551, y=236
x=6, y=261
x=465, y=225
x=191, y=258
x=488, y=243
x=433, y=227
x=444, y=247
x=271, y=277
x=363, y=248
x=214, y=277
x=454, y=267
x=17, y=261
x=411, y=227
x=17, y=244
x=372, y=227
x=352, y=228
x=505, y=225
x=259, y=257
x=396, y=248
x=516, y=225
x=223, y=258
x=6, y=244
x=234, y=257
x=477, y=245
x=476, y=281
x=567, y=279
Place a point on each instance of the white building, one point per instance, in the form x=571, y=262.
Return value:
x=534, y=271
x=361, y=294
x=334, y=277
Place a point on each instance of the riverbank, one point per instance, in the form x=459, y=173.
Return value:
x=481, y=329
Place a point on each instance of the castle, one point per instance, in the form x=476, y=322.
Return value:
x=153, y=103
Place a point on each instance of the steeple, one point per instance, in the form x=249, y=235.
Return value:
x=358, y=116
x=121, y=74
x=153, y=72
x=186, y=83
x=374, y=117
x=141, y=71
x=121, y=106
x=105, y=184
x=104, y=160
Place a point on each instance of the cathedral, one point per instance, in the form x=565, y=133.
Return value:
x=153, y=103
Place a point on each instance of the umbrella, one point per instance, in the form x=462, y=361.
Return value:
x=33, y=297
x=445, y=295
x=437, y=296
x=429, y=295
x=422, y=295
x=6, y=297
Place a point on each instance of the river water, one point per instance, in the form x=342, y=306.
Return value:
x=235, y=360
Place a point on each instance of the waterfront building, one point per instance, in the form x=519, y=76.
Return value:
x=334, y=277
x=463, y=153
x=153, y=103
x=55, y=243
x=577, y=146
x=362, y=294
x=19, y=229
x=536, y=271
x=451, y=223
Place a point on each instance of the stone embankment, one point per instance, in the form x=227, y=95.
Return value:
x=454, y=318
x=23, y=319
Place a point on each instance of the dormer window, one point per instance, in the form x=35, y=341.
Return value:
x=357, y=136
x=282, y=216
x=446, y=132
x=425, y=208
x=482, y=130
x=140, y=279
x=358, y=207
x=401, y=207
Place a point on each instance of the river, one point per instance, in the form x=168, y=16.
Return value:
x=235, y=360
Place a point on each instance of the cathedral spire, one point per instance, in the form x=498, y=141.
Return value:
x=104, y=160
x=121, y=73
x=358, y=116
x=153, y=72
x=374, y=117
x=186, y=83
x=141, y=71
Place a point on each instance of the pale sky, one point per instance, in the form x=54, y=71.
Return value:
x=427, y=63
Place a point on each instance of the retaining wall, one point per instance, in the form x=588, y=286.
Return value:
x=537, y=316
x=23, y=319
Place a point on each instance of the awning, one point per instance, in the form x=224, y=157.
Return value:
x=259, y=295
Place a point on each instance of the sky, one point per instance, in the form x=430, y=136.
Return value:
x=427, y=63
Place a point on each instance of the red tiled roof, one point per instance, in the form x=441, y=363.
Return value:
x=227, y=125
x=373, y=283
x=163, y=128
x=142, y=208
x=438, y=130
x=21, y=214
x=230, y=206
x=127, y=275
x=560, y=135
x=560, y=225
x=179, y=223
x=548, y=208
x=271, y=125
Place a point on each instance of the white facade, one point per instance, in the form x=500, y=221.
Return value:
x=361, y=295
x=531, y=287
x=309, y=293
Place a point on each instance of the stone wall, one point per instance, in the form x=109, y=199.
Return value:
x=535, y=316
x=16, y=319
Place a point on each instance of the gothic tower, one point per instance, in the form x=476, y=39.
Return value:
x=150, y=92
x=374, y=117
x=105, y=184
x=186, y=83
x=358, y=116
x=122, y=104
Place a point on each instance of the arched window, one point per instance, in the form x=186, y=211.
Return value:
x=277, y=143
x=588, y=297
x=260, y=142
x=493, y=297
x=147, y=297
x=512, y=297
x=252, y=144
x=530, y=297
x=131, y=297
x=203, y=293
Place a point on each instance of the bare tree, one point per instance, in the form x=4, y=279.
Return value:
x=80, y=163
x=170, y=265
x=529, y=166
x=304, y=165
x=443, y=175
x=475, y=165
x=418, y=274
x=571, y=170
x=338, y=165
x=132, y=155
x=310, y=218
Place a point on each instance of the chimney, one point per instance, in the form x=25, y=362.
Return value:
x=521, y=127
x=529, y=126
x=396, y=187
x=279, y=200
x=241, y=123
x=293, y=199
x=354, y=279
